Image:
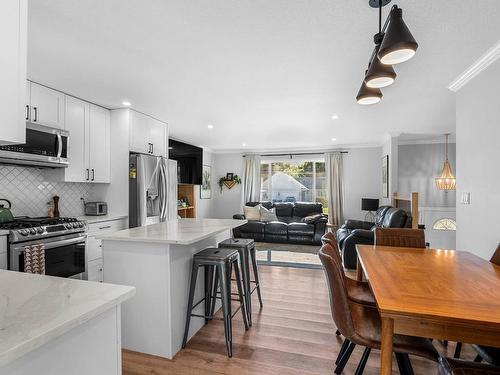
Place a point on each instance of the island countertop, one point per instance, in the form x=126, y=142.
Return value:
x=35, y=309
x=179, y=231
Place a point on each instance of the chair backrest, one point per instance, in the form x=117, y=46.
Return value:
x=339, y=303
x=496, y=256
x=400, y=237
x=329, y=238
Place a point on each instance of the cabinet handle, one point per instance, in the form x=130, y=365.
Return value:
x=35, y=109
x=27, y=112
x=152, y=148
x=105, y=227
x=93, y=174
x=88, y=176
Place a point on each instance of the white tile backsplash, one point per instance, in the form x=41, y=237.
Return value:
x=29, y=192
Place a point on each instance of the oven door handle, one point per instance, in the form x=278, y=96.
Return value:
x=59, y=145
x=71, y=241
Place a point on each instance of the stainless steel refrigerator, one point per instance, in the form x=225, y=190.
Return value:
x=152, y=190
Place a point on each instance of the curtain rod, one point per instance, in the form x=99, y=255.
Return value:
x=298, y=153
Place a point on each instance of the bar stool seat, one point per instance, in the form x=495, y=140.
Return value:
x=247, y=252
x=222, y=261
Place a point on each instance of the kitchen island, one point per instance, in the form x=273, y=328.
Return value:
x=157, y=260
x=58, y=326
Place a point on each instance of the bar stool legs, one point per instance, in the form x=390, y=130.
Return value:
x=192, y=287
x=256, y=276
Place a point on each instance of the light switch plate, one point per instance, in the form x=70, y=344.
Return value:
x=465, y=197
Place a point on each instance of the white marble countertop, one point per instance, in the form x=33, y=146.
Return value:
x=4, y=232
x=101, y=218
x=179, y=231
x=35, y=309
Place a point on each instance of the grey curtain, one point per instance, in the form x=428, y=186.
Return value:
x=251, y=178
x=335, y=187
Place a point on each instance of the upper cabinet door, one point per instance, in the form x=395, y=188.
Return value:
x=13, y=33
x=140, y=141
x=47, y=106
x=157, y=137
x=99, y=144
x=77, y=123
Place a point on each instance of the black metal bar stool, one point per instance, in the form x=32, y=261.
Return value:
x=246, y=249
x=222, y=261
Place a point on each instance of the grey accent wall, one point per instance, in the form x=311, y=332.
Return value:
x=418, y=166
x=478, y=158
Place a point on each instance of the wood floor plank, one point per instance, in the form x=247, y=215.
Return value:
x=293, y=334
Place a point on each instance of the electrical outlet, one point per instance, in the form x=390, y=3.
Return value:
x=465, y=197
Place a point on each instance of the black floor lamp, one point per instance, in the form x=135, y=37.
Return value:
x=370, y=205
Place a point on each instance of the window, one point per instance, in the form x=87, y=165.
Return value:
x=294, y=181
x=445, y=224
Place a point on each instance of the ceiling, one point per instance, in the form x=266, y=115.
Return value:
x=266, y=73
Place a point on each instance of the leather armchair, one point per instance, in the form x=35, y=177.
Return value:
x=355, y=232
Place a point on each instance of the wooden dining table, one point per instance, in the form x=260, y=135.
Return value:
x=440, y=294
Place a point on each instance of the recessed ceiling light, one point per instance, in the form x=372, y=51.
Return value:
x=210, y=126
x=334, y=139
x=335, y=117
x=126, y=103
x=244, y=144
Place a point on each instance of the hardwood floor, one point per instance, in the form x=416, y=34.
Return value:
x=293, y=334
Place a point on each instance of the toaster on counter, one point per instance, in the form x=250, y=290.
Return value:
x=96, y=208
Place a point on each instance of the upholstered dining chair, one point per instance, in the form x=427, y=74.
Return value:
x=487, y=353
x=400, y=237
x=360, y=324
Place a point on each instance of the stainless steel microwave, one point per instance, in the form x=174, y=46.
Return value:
x=44, y=147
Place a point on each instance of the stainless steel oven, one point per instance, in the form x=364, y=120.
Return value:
x=45, y=146
x=64, y=255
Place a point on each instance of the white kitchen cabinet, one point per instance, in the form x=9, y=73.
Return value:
x=13, y=34
x=89, y=143
x=147, y=135
x=77, y=123
x=46, y=106
x=95, y=269
x=99, y=144
x=3, y=252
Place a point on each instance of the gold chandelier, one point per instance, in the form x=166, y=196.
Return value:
x=446, y=181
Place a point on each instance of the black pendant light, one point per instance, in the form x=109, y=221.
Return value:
x=368, y=95
x=394, y=44
x=398, y=45
x=379, y=75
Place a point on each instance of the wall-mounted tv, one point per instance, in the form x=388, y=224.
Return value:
x=189, y=161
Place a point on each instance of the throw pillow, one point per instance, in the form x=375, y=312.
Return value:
x=252, y=213
x=312, y=219
x=267, y=215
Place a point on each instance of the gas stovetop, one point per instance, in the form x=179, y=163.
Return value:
x=28, y=229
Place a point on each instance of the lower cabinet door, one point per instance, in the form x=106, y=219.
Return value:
x=95, y=270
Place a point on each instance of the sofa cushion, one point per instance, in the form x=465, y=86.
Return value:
x=265, y=204
x=276, y=227
x=267, y=215
x=303, y=209
x=284, y=209
x=252, y=213
x=379, y=215
x=253, y=227
x=301, y=229
x=314, y=218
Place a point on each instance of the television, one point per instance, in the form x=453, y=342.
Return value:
x=189, y=161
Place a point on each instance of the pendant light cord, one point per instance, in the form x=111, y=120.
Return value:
x=446, y=147
x=379, y=16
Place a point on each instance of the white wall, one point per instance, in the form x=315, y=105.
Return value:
x=418, y=166
x=362, y=170
x=229, y=202
x=478, y=156
x=361, y=179
x=390, y=147
x=205, y=207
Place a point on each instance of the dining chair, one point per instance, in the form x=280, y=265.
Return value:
x=400, y=237
x=487, y=353
x=447, y=366
x=361, y=325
